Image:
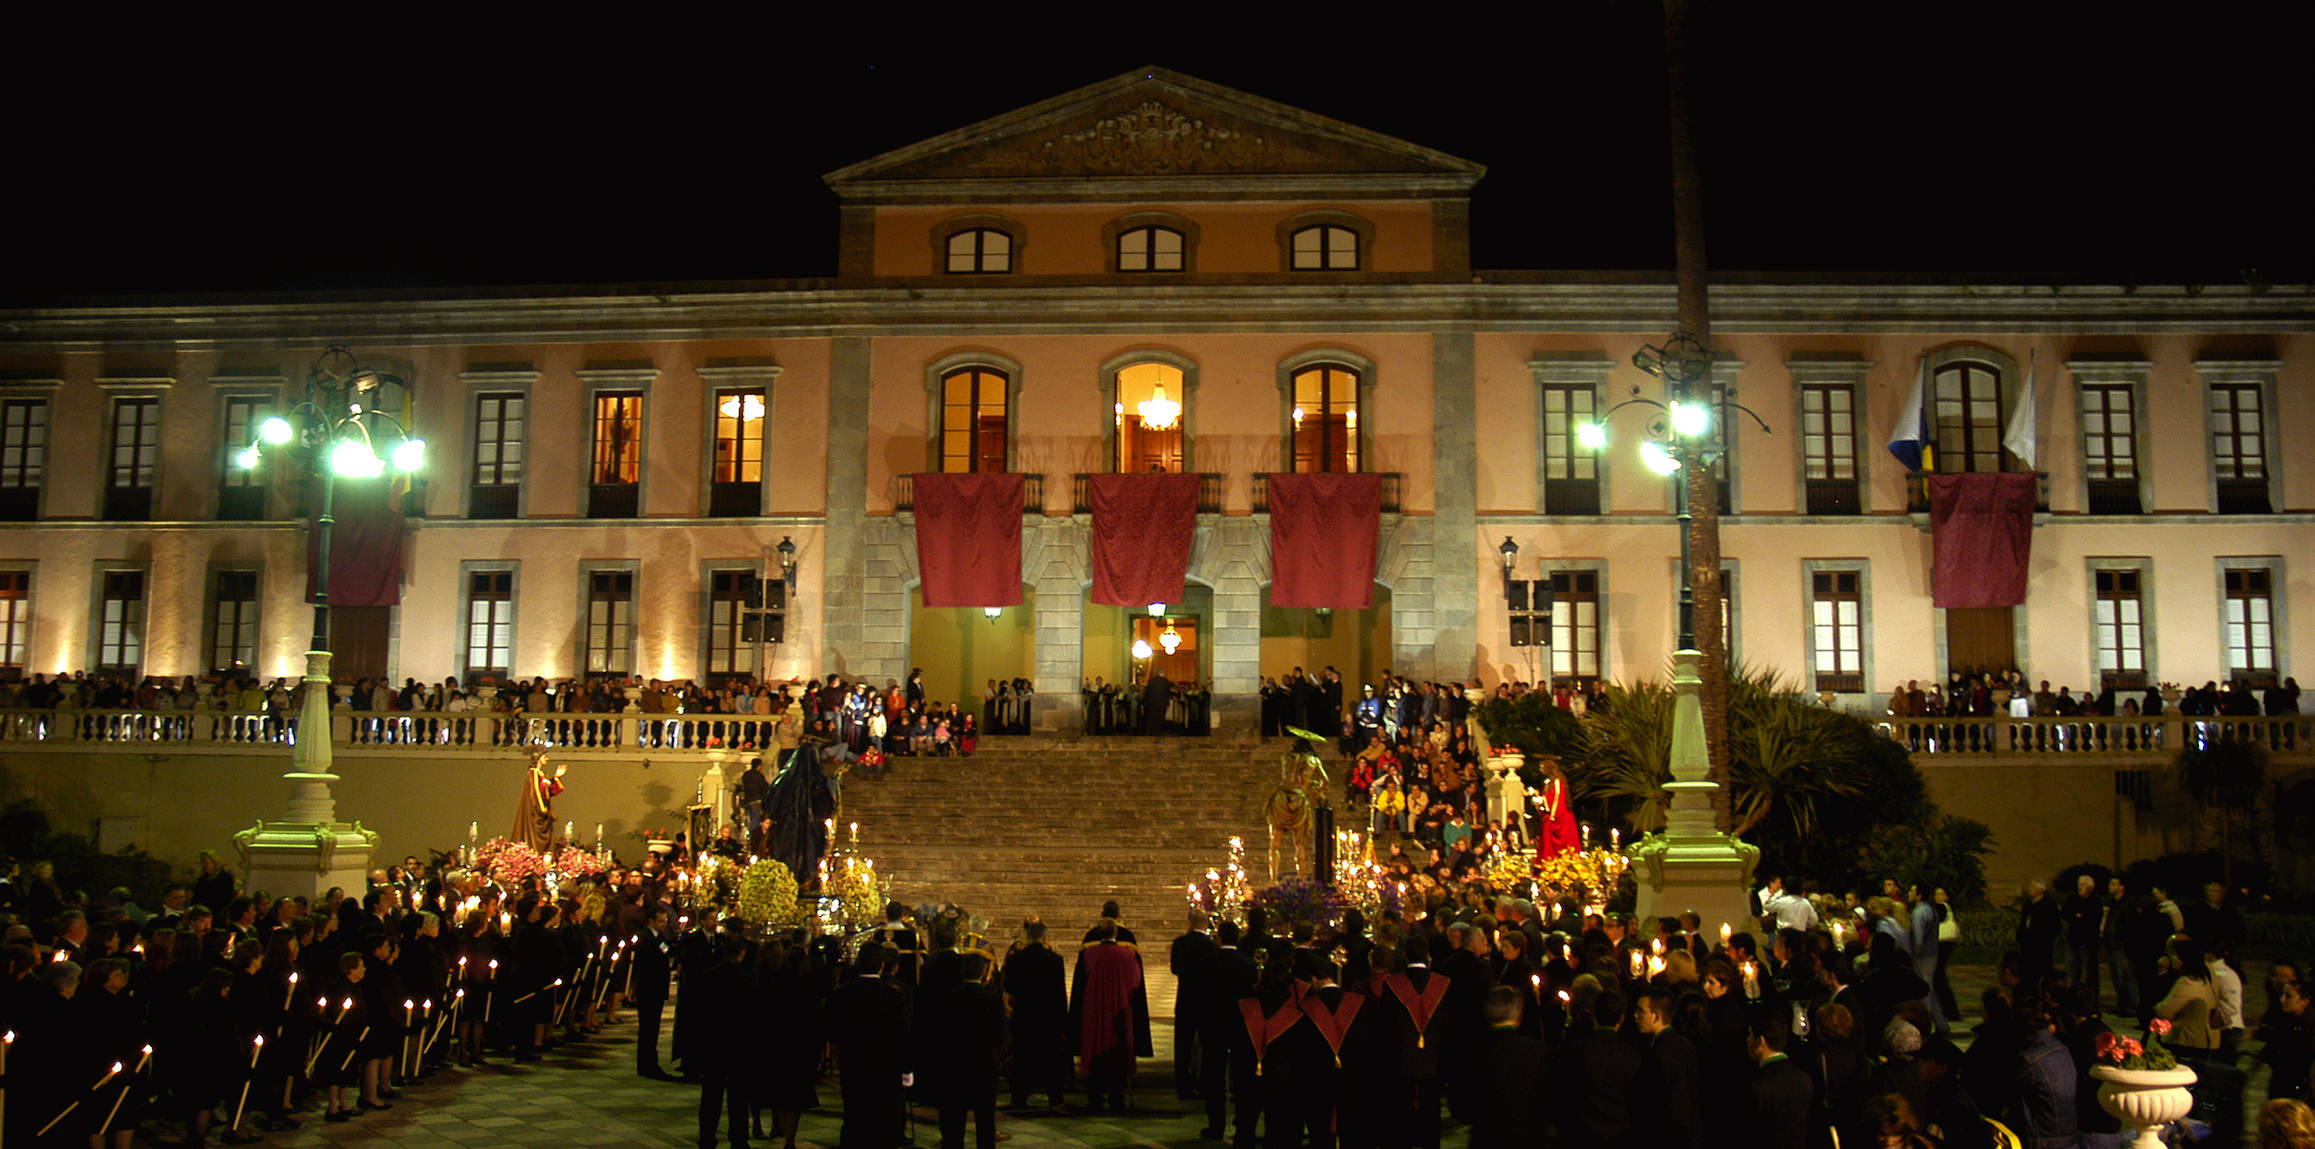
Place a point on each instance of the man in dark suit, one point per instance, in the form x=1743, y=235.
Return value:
x=964, y=1046
x=1509, y=1111
x=868, y=1021
x=1665, y=1104
x=720, y=1041
x=1778, y=1094
x=1190, y=959
x=1035, y=981
x=1591, y=1083
x=1231, y=975
x=1469, y=978
x=1117, y=929
x=653, y=962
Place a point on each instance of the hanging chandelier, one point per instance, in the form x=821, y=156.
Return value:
x=1170, y=640
x=748, y=406
x=1158, y=413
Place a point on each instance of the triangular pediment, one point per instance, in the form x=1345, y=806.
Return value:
x=1154, y=124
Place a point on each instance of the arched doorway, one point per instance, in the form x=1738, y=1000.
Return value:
x=960, y=649
x=1357, y=643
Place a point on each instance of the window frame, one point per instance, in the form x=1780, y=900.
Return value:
x=618, y=380
x=2005, y=372
x=1863, y=569
x=589, y=598
x=264, y=403
x=1114, y=232
x=468, y=669
x=29, y=394
x=1107, y=379
x=1830, y=374
x=1567, y=619
x=2142, y=568
x=774, y=617
x=502, y=380
x=942, y=232
x=1362, y=232
x=1569, y=374
x=719, y=379
x=1357, y=365
x=18, y=618
x=100, y=619
x=2278, y=620
x=252, y=618
x=116, y=404
x=936, y=377
x=2098, y=376
x=2257, y=376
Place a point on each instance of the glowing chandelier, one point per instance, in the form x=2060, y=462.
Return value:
x=1170, y=640
x=1159, y=413
x=748, y=406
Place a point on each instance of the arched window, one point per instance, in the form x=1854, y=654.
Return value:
x=974, y=408
x=1325, y=418
x=1969, y=416
x=1150, y=249
x=1324, y=247
x=1152, y=406
x=980, y=251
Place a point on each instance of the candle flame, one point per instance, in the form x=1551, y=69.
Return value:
x=261, y=1039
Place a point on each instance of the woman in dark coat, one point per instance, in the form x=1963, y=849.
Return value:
x=477, y=947
x=112, y=1031
x=209, y=1051
x=337, y=1063
x=389, y=1009
x=424, y=973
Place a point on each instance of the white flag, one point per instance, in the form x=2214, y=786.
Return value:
x=2019, y=435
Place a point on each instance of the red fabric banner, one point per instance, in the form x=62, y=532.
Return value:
x=1982, y=528
x=968, y=538
x=1324, y=532
x=365, y=543
x=1142, y=528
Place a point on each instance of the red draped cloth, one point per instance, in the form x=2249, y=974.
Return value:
x=365, y=544
x=1142, y=526
x=1110, y=982
x=1982, y=529
x=1324, y=531
x=968, y=539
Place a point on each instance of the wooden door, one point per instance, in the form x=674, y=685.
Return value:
x=358, y=641
x=1980, y=639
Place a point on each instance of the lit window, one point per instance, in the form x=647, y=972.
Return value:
x=1326, y=420
x=1575, y=626
x=1151, y=407
x=617, y=470
x=1969, y=421
x=1829, y=447
x=737, y=486
x=1571, y=484
x=1325, y=247
x=120, y=644
x=979, y=251
x=490, y=622
x=973, y=423
x=1149, y=249
x=2250, y=623
x=2121, y=630
x=15, y=621
x=2110, y=448
x=1838, y=616
x=243, y=496
x=498, y=455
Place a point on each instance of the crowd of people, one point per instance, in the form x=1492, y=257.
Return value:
x=1914, y=711
x=1154, y=704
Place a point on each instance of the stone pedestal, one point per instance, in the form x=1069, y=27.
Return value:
x=1691, y=865
x=307, y=850
x=1506, y=794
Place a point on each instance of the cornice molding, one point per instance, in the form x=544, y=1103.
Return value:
x=1110, y=308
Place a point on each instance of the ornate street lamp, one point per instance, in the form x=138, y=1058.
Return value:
x=339, y=428
x=1510, y=552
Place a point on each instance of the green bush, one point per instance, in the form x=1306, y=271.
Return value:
x=26, y=835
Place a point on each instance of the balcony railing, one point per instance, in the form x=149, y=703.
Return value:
x=1209, y=494
x=1917, y=488
x=421, y=731
x=493, y=500
x=1944, y=738
x=1391, y=484
x=2115, y=497
x=2244, y=497
x=1032, y=494
x=1833, y=497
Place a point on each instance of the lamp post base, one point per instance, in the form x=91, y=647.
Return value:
x=290, y=859
x=1691, y=865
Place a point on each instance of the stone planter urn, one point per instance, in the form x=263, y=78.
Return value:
x=2144, y=1099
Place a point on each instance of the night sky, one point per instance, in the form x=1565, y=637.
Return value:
x=2118, y=148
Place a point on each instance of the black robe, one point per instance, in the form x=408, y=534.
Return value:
x=800, y=805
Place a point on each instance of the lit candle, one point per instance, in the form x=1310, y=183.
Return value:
x=473, y=832
x=1751, y=981
x=1616, y=838
x=290, y=990
x=570, y=832
x=1587, y=829
x=1636, y=960
x=855, y=833
x=1564, y=999
x=598, y=835
x=1656, y=947
x=1725, y=931
x=1655, y=966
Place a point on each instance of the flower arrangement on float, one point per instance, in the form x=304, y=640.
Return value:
x=1299, y=901
x=715, y=886
x=767, y=894
x=574, y=863
x=510, y=863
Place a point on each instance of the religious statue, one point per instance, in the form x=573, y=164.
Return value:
x=534, y=818
x=1555, y=828
x=1301, y=788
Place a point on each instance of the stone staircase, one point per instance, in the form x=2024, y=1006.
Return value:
x=1055, y=826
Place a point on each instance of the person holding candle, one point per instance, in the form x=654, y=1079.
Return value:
x=337, y=1065
x=383, y=993
x=112, y=1029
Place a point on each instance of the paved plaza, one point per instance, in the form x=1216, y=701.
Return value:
x=588, y=1094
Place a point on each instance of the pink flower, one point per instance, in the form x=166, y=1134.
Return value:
x=2131, y=1048
x=2106, y=1043
x=2160, y=1027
